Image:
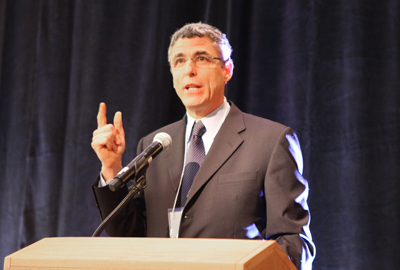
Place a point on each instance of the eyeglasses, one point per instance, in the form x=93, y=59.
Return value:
x=201, y=61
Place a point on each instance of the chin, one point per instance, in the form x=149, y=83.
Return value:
x=192, y=102
x=194, y=106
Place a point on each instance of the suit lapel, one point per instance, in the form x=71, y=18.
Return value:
x=225, y=144
x=174, y=156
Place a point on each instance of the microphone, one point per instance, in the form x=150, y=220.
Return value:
x=138, y=166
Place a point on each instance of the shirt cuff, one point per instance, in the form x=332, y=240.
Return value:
x=102, y=182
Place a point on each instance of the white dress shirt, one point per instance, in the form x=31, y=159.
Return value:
x=212, y=122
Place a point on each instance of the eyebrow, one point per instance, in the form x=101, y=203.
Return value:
x=200, y=53
x=195, y=54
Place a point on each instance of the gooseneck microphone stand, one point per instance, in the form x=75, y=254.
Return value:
x=133, y=190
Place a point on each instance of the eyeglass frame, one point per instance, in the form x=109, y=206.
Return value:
x=194, y=62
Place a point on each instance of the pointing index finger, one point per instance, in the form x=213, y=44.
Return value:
x=101, y=115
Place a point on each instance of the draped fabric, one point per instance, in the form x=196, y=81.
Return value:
x=329, y=69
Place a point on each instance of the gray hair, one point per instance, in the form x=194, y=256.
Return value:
x=200, y=29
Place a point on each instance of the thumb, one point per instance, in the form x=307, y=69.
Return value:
x=118, y=123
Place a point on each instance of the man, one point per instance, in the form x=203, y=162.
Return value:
x=249, y=183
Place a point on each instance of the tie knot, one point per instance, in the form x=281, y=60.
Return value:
x=199, y=129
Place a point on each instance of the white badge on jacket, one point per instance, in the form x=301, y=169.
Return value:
x=174, y=221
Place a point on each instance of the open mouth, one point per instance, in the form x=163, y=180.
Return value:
x=192, y=87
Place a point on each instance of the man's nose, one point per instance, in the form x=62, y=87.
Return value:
x=190, y=67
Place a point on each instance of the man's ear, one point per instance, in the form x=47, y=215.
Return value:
x=228, y=69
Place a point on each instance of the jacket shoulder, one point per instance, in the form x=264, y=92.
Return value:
x=171, y=129
x=263, y=126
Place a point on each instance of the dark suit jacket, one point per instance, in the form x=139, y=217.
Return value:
x=249, y=179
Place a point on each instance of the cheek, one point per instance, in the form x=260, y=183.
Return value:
x=175, y=82
x=217, y=82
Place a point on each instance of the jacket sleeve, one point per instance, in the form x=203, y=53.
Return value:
x=131, y=220
x=286, y=192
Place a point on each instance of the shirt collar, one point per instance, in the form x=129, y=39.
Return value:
x=212, y=121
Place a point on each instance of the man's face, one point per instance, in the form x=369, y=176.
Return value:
x=201, y=90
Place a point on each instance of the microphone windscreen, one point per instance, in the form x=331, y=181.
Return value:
x=164, y=139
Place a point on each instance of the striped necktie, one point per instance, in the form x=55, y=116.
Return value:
x=194, y=157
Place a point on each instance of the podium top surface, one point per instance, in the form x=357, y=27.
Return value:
x=149, y=253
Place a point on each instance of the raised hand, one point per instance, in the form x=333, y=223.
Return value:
x=109, y=143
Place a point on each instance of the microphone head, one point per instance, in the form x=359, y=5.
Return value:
x=164, y=139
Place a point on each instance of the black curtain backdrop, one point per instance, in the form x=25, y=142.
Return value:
x=329, y=69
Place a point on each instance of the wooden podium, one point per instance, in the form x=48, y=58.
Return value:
x=80, y=253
